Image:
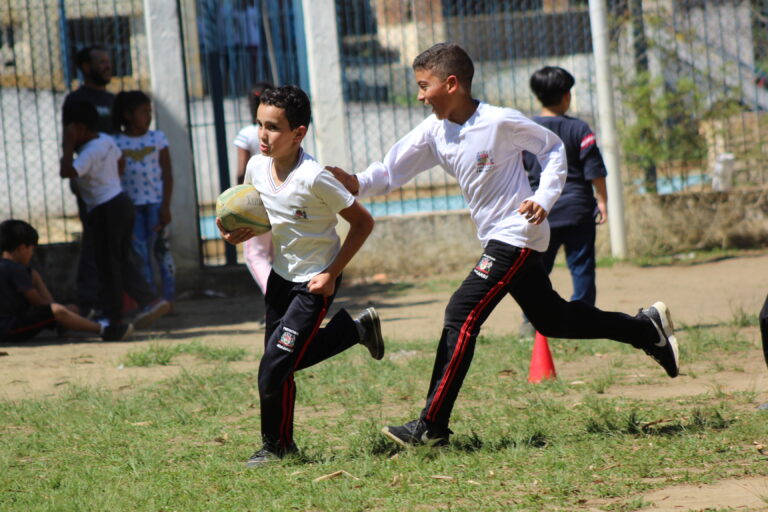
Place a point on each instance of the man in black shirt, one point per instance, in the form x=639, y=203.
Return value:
x=95, y=66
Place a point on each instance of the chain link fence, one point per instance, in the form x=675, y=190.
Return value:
x=690, y=84
x=690, y=80
x=38, y=42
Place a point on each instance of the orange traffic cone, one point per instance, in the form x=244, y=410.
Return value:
x=542, y=366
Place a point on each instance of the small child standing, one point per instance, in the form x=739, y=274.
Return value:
x=26, y=305
x=148, y=181
x=110, y=214
x=258, y=251
x=302, y=201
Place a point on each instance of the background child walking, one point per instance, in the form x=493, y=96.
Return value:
x=573, y=218
x=258, y=251
x=110, y=214
x=302, y=201
x=148, y=181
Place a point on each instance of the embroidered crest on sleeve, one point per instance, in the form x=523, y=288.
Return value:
x=483, y=267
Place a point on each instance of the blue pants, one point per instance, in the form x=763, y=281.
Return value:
x=154, y=245
x=579, y=242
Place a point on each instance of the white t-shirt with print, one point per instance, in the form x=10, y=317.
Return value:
x=485, y=156
x=248, y=139
x=302, y=211
x=98, y=178
x=143, y=176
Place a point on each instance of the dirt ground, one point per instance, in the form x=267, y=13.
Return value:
x=706, y=294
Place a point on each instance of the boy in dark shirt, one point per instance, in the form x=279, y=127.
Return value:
x=574, y=216
x=26, y=305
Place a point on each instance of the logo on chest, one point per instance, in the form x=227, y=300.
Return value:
x=483, y=267
x=300, y=214
x=484, y=161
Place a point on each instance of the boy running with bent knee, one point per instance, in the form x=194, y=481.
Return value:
x=481, y=146
x=302, y=200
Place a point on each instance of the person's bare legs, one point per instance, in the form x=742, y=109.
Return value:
x=72, y=321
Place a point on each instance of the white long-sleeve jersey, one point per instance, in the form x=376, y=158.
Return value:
x=485, y=156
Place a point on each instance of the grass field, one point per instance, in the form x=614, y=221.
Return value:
x=565, y=444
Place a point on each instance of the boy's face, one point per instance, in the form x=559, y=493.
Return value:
x=276, y=138
x=99, y=68
x=435, y=91
x=23, y=254
x=76, y=133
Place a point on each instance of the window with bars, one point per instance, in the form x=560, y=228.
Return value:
x=113, y=33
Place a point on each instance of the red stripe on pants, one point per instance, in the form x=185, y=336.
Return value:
x=289, y=387
x=464, y=334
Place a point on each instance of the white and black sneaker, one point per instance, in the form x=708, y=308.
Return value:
x=664, y=350
x=415, y=433
x=369, y=328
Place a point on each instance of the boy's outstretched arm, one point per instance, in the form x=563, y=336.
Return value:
x=601, y=194
x=360, y=226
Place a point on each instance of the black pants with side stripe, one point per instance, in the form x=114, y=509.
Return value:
x=293, y=341
x=506, y=269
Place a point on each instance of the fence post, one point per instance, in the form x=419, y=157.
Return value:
x=599, y=24
x=326, y=90
x=166, y=65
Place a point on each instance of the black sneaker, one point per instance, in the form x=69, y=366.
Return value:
x=416, y=433
x=664, y=351
x=371, y=338
x=117, y=332
x=269, y=454
x=150, y=313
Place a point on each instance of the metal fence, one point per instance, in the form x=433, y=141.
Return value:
x=690, y=77
x=690, y=80
x=38, y=41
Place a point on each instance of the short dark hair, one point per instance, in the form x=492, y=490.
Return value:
x=293, y=100
x=253, y=96
x=550, y=84
x=84, y=55
x=446, y=59
x=80, y=112
x=125, y=102
x=14, y=233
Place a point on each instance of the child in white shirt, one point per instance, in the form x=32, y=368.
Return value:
x=481, y=146
x=110, y=214
x=302, y=201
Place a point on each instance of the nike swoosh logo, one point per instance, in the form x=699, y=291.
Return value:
x=662, y=339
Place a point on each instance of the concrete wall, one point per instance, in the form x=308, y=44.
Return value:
x=435, y=243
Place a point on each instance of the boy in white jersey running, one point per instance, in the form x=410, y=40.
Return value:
x=481, y=146
x=302, y=200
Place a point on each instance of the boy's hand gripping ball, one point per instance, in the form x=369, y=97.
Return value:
x=241, y=207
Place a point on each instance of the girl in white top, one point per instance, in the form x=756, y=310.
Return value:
x=482, y=147
x=258, y=251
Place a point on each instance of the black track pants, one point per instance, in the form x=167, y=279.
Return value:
x=520, y=272
x=294, y=340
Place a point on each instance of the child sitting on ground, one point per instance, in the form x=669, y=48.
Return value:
x=26, y=305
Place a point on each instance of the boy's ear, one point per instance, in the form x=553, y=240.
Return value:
x=300, y=133
x=452, y=82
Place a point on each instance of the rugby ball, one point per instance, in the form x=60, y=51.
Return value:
x=241, y=207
